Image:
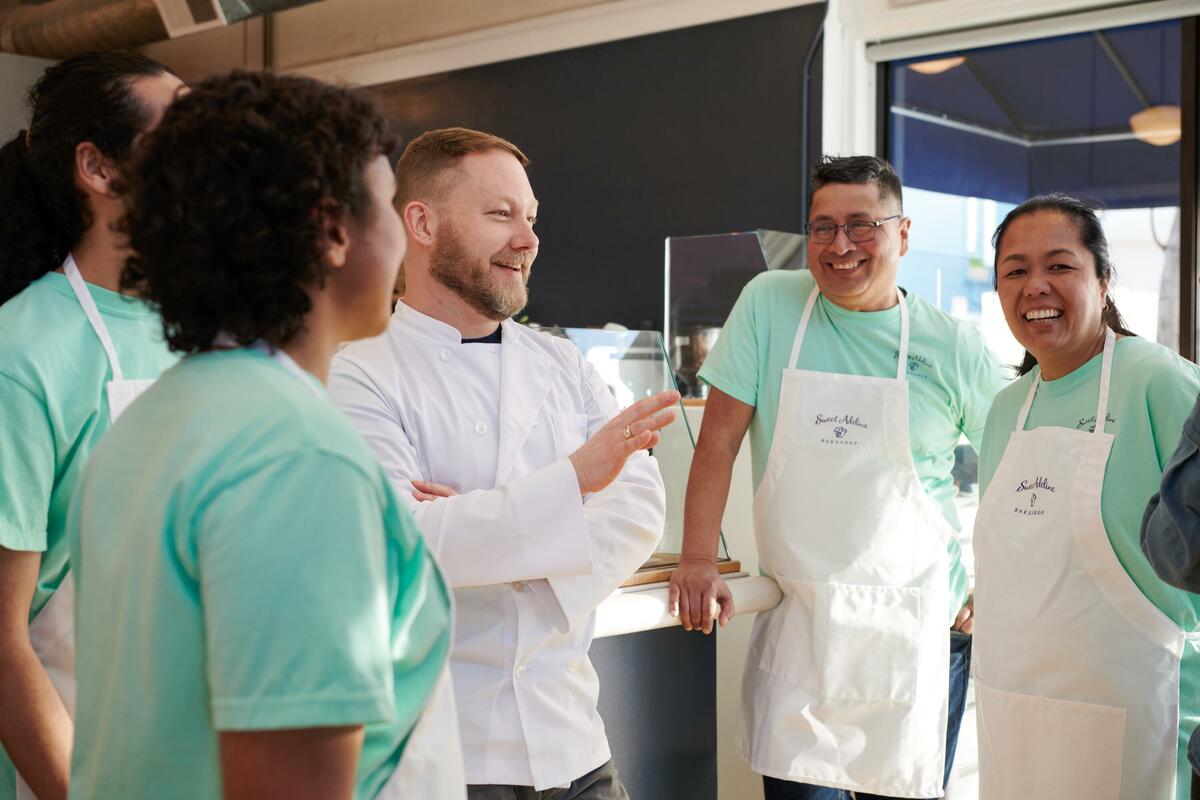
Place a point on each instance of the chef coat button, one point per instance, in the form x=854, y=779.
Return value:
x=444, y=355
x=481, y=428
x=520, y=586
x=512, y=426
x=521, y=670
x=573, y=666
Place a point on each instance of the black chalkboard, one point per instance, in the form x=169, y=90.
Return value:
x=692, y=131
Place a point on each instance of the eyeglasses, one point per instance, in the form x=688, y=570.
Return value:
x=858, y=231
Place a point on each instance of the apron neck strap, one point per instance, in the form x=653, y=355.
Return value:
x=1110, y=339
x=93, y=315
x=808, y=309
x=902, y=353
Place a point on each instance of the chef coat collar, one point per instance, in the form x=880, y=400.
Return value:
x=427, y=326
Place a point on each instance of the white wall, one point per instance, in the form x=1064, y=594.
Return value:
x=17, y=73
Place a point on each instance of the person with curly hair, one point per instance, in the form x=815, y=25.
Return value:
x=259, y=616
x=74, y=351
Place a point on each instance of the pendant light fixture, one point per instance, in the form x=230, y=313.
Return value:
x=937, y=65
x=1158, y=125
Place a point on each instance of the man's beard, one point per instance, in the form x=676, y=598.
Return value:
x=458, y=270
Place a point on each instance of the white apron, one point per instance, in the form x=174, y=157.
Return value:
x=431, y=767
x=1076, y=672
x=847, y=679
x=52, y=631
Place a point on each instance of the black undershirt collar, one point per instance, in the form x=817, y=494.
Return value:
x=491, y=338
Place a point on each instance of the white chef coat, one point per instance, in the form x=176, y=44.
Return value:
x=529, y=558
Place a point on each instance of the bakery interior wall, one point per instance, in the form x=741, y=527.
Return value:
x=17, y=73
x=689, y=131
x=686, y=132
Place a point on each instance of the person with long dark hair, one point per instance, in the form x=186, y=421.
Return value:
x=74, y=352
x=259, y=616
x=1087, y=664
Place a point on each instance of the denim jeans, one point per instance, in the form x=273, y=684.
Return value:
x=1194, y=758
x=960, y=674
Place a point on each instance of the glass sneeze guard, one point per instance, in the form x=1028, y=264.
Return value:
x=635, y=365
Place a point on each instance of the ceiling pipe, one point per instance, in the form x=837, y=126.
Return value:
x=63, y=28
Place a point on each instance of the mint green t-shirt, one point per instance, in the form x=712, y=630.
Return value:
x=53, y=410
x=242, y=564
x=952, y=376
x=1152, y=392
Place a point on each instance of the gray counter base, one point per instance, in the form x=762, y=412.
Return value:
x=658, y=702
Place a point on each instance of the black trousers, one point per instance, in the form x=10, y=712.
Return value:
x=602, y=783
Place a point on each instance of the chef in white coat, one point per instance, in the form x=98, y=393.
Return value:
x=533, y=492
x=855, y=395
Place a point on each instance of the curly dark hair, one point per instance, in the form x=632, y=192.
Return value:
x=230, y=197
x=87, y=98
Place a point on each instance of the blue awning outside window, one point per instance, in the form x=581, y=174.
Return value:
x=1048, y=115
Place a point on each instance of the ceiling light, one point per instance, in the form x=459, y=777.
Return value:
x=1157, y=125
x=937, y=65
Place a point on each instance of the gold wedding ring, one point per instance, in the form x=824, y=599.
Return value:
x=628, y=433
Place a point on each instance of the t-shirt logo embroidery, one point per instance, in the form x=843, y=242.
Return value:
x=1089, y=423
x=915, y=364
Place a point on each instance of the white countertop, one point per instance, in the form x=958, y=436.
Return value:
x=644, y=608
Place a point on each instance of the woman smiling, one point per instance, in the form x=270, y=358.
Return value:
x=1087, y=676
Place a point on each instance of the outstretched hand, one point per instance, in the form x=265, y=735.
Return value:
x=598, y=462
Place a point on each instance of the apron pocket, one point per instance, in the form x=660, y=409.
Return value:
x=867, y=640
x=783, y=636
x=1038, y=747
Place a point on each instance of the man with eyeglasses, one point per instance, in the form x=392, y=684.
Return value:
x=855, y=394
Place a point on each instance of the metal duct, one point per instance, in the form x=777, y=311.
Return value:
x=62, y=28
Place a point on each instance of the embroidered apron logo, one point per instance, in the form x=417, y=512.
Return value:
x=1039, y=483
x=842, y=425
